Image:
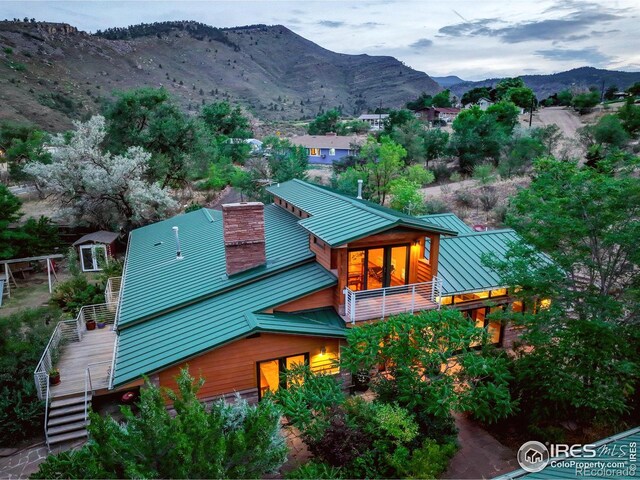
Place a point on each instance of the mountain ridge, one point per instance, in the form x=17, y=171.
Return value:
x=53, y=73
x=544, y=85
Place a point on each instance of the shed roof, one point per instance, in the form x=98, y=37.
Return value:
x=97, y=237
x=339, y=142
x=180, y=334
x=338, y=219
x=154, y=280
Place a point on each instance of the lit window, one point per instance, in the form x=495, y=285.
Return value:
x=314, y=152
x=500, y=292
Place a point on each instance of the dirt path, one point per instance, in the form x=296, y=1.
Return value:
x=440, y=190
x=480, y=455
x=568, y=121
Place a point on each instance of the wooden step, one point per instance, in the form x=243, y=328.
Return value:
x=62, y=411
x=63, y=402
x=65, y=437
x=76, y=417
x=67, y=427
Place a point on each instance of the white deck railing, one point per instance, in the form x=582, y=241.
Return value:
x=68, y=331
x=382, y=302
x=112, y=290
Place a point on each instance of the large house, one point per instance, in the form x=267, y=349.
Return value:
x=241, y=294
x=436, y=115
x=326, y=149
x=375, y=120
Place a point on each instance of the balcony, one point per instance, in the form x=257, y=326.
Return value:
x=381, y=302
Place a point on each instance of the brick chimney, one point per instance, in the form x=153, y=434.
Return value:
x=243, y=232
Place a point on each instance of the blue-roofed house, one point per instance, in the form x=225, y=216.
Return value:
x=329, y=148
x=240, y=295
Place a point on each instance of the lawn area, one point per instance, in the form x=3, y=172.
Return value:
x=30, y=293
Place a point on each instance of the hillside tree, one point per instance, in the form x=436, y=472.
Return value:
x=102, y=189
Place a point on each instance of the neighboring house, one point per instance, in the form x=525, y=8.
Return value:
x=241, y=295
x=484, y=103
x=326, y=149
x=95, y=248
x=375, y=120
x=438, y=114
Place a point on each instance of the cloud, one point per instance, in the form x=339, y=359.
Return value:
x=571, y=26
x=331, y=23
x=421, y=43
x=590, y=55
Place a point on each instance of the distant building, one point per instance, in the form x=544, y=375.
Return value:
x=326, y=149
x=375, y=120
x=438, y=114
x=484, y=103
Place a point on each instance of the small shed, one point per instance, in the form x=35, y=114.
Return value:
x=95, y=248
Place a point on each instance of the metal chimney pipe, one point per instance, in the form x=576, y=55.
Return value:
x=359, y=197
x=178, y=251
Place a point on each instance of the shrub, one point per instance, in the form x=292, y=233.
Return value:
x=488, y=198
x=314, y=470
x=464, y=197
x=455, y=177
x=7, y=50
x=441, y=172
x=435, y=205
x=428, y=461
x=484, y=174
x=70, y=296
x=420, y=175
x=225, y=441
x=23, y=337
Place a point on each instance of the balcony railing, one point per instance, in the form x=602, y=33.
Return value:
x=382, y=302
x=112, y=291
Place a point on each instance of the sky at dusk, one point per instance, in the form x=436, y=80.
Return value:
x=472, y=39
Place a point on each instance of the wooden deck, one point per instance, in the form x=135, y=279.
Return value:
x=95, y=346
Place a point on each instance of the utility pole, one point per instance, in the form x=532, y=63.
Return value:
x=533, y=101
x=380, y=116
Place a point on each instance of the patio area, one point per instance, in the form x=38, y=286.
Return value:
x=96, y=346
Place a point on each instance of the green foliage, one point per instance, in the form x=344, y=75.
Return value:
x=228, y=441
x=565, y=97
x=8, y=50
x=398, y=118
x=479, y=136
x=522, y=151
x=22, y=143
x=423, y=101
x=435, y=143
x=23, y=337
x=325, y=123
x=314, y=470
x=34, y=238
x=629, y=115
x=347, y=182
x=585, y=218
x=435, y=205
x=60, y=102
x=484, y=174
x=419, y=175
x=609, y=93
x=286, y=161
x=505, y=85
x=415, y=377
x=428, y=461
x=442, y=99
x=406, y=197
x=584, y=102
x=521, y=96
x=71, y=295
x=634, y=89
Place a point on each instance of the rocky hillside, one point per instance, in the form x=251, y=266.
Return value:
x=52, y=73
x=578, y=78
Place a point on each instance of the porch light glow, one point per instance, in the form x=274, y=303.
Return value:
x=323, y=351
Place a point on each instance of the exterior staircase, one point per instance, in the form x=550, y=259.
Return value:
x=66, y=420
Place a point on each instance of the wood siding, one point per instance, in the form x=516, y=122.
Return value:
x=424, y=271
x=323, y=298
x=322, y=251
x=233, y=367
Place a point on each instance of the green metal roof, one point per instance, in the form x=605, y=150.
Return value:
x=338, y=219
x=460, y=260
x=180, y=334
x=611, y=450
x=447, y=220
x=322, y=322
x=154, y=281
